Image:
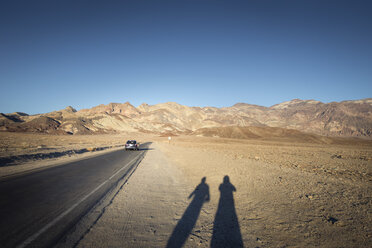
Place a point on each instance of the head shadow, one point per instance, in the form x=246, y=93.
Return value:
x=190, y=216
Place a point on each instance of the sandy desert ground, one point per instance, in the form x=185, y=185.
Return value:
x=287, y=194
x=255, y=193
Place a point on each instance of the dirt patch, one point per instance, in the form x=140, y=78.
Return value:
x=348, y=158
x=278, y=204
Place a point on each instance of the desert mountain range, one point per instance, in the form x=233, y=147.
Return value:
x=242, y=120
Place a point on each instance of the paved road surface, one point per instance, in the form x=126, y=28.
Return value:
x=36, y=209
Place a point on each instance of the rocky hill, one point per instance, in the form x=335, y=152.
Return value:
x=344, y=119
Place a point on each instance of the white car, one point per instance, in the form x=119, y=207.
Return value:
x=131, y=145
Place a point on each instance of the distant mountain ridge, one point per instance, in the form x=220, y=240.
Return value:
x=344, y=119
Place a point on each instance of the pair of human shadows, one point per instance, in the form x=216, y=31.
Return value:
x=226, y=230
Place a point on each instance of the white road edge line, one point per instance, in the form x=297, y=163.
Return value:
x=59, y=217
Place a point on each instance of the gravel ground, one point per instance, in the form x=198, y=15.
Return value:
x=195, y=193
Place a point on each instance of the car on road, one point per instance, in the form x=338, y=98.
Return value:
x=132, y=145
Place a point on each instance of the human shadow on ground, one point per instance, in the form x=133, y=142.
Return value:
x=226, y=230
x=189, y=218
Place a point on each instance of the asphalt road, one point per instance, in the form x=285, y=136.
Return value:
x=36, y=209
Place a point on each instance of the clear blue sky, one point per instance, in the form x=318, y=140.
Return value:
x=198, y=53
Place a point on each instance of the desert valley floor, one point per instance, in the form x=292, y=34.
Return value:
x=251, y=193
